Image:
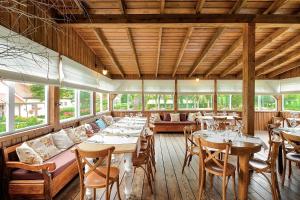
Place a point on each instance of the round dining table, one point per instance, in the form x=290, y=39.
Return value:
x=243, y=147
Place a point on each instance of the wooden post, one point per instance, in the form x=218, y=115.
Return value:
x=111, y=100
x=143, y=97
x=94, y=103
x=279, y=103
x=215, y=98
x=54, y=107
x=175, y=97
x=248, y=78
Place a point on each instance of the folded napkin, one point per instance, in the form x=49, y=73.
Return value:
x=113, y=140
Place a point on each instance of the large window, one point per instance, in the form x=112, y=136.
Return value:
x=22, y=106
x=85, y=103
x=67, y=103
x=128, y=102
x=3, y=106
x=291, y=102
x=229, y=102
x=265, y=103
x=159, y=102
x=102, y=100
x=187, y=102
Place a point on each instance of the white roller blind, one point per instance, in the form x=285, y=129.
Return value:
x=290, y=85
x=159, y=86
x=268, y=87
x=24, y=60
x=78, y=76
x=128, y=86
x=106, y=84
x=192, y=86
x=229, y=86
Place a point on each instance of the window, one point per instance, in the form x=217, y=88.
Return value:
x=265, y=102
x=30, y=105
x=186, y=102
x=159, y=102
x=102, y=102
x=291, y=102
x=128, y=102
x=3, y=106
x=229, y=102
x=85, y=103
x=67, y=103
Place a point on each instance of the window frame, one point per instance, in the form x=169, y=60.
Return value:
x=158, y=103
x=122, y=110
x=259, y=104
x=230, y=102
x=101, y=102
x=194, y=95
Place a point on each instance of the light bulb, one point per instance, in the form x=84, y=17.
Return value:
x=197, y=79
x=104, y=71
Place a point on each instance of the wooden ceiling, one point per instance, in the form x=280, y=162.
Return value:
x=174, y=44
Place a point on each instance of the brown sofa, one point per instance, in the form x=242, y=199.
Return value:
x=165, y=125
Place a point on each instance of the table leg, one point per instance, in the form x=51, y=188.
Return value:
x=243, y=181
x=279, y=160
x=128, y=174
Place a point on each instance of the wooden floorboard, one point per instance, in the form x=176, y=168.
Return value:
x=171, y=183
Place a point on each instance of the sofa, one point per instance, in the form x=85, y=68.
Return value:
x=164, y=124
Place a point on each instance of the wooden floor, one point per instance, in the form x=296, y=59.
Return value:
x=171, y=184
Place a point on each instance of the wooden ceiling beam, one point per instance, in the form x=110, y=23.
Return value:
x=239, y=4
x=199, y=6
x=162, y=6
x=131, y=42
x=178, y=20
x=122, y=6
x=275, y=6
x=258, y=47
x=279, y=62
x=158, y=51
x=203, y=54
x=227, y=53
x=182, y=49
x=284, y=69
x=101, y=38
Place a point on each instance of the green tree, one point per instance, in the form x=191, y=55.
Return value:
x=38, y=91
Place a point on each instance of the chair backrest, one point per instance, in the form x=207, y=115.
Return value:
x=273, y=153
x=188, y=135
x=101, y=158
x=292, y=122
x=291, y=139
x=278, y=120
x=210, y=152
x=220, y=123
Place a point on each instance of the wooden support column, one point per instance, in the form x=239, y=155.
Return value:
x=279, y=103
x=215, y=98
x=143, y=97
x=175, y=97
x=248, y=78
x=111, y=100
x=54, y=107
x=94, y=103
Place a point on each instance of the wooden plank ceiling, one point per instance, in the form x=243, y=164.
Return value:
x=186, y=52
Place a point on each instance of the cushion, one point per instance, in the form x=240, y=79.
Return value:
x=175, y=117
x=167, y=117
x=191, y=117
x=77, y=134
x=44, y=147
x=62, y=140
x=109, y=120
x=95, y=127
x=27, y=155
x=155, y=117
x=182, y=117
x=62, y=161
x=88, y=130
x=101, y=124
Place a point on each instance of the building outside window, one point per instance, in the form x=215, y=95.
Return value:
x=159, y=101
x=188, y=102
x=128, y=102
x=67, y=102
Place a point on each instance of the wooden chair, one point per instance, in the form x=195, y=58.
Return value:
x=210, y=162
x=220, y=123
x=143, y=160
x=268, y=166
x=289, y=122
x=149, y=139
x=98, y=175
x=191, y=148
x=291, y=155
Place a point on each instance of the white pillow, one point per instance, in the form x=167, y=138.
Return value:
x=77, y=134
x=62, y=140
x=155, y=117
x=191, y=117
x=109, y=120
x=27, y=155
x=44, y=146
x=175, y=117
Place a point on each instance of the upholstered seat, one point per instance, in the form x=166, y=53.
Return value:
x=94, y=180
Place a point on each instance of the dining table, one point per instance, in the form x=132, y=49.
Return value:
x=243, y=146
x=289, y=130
x=124, y=135
x=203, y=119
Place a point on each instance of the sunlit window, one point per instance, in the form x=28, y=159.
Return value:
x=265, y=103
x=130, y=102
x=85, y=103
x=30, y=105
x=229, y=102
x=159, y=102
x=187, y=102
x=3, y=106
x=102, y=102
x=67, y=103
x=291, y=102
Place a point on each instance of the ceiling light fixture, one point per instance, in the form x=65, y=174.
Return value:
x=197, y=79
x=104, y=71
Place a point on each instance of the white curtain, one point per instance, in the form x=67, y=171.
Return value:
x=128, y=86
x=229, y=86
x=290, y=85
x=267, y=87
x=24, y=60
x=159, y=86
x=192, y=86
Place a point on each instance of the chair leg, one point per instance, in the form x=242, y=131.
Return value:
x=224, y=181
x=283, y=172
x=191, y=156
x=290, y=169
x=94, y=193
x=273, y=186
x=148, y=178
x=201, y=187
x=118, y=188
x=82, y=193
x=211, y=181
x=233, y=186
x=277, y=188
x=184, y=162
